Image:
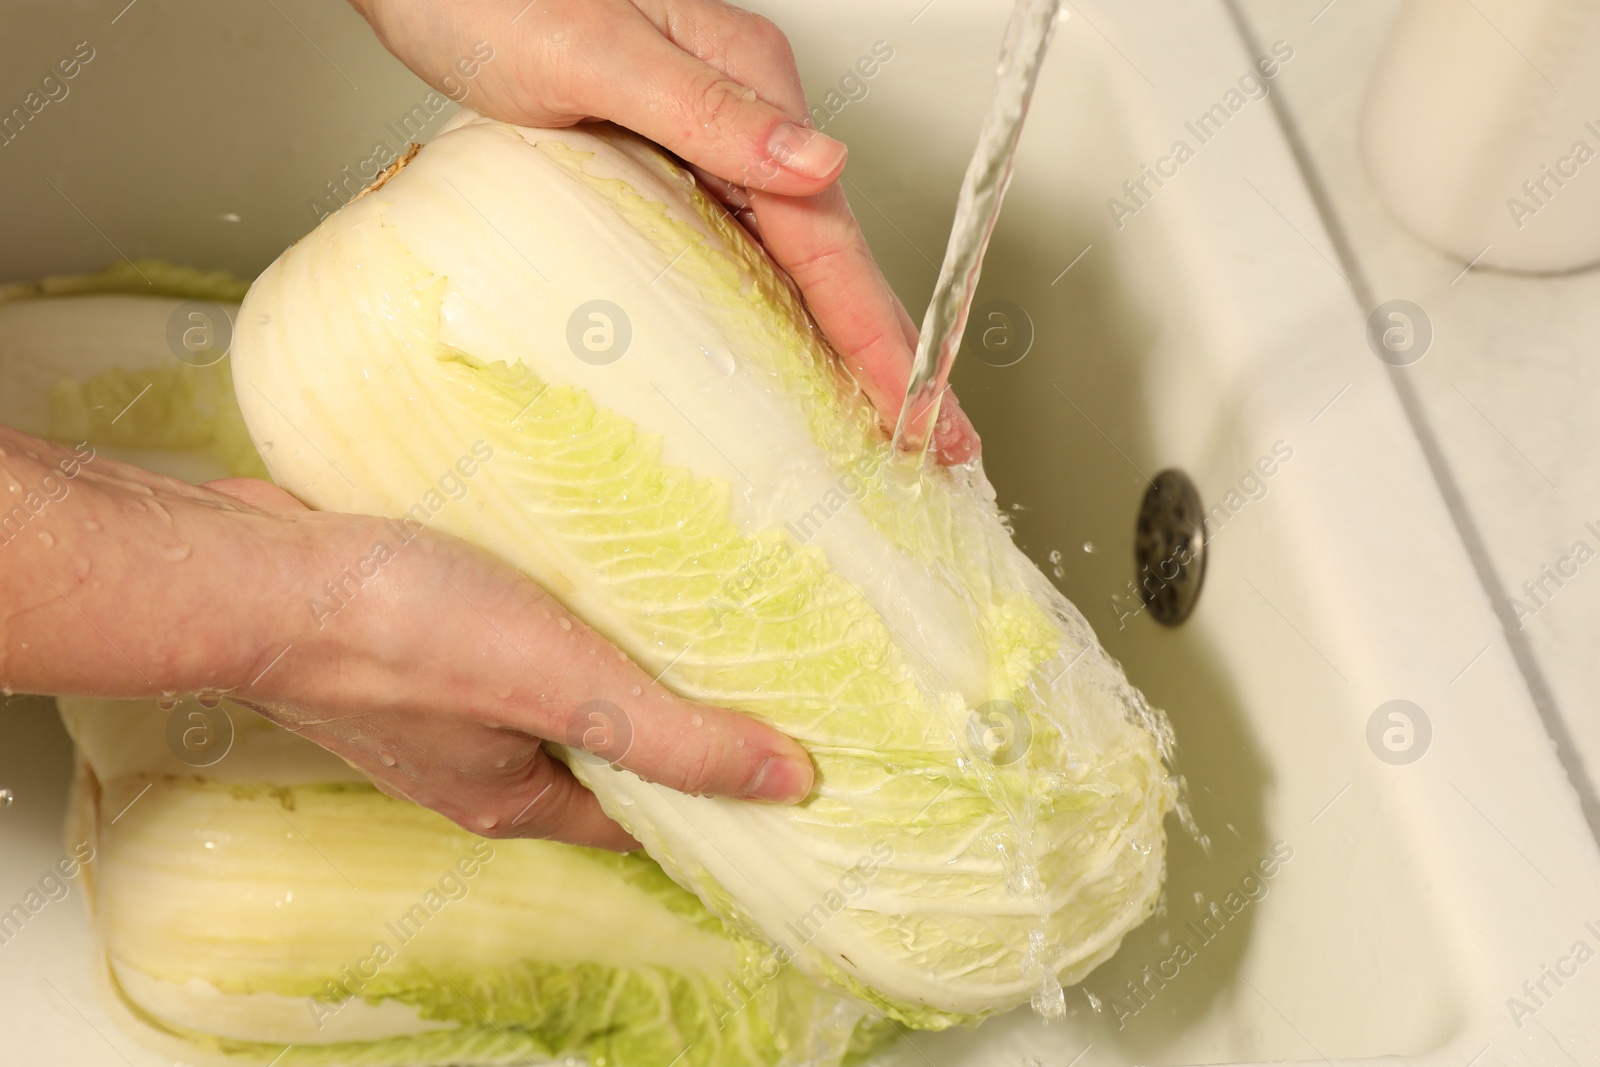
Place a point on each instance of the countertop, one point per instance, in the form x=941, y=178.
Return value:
x=1507, y=398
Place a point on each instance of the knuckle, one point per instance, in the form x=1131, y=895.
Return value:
x=819, y=262
x=699, y=767
x=765, y=34
x=716, y=102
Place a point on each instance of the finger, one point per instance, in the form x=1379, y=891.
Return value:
x=817, y=240
x=588, y=695
x=644, y=81
x=955, y=440
x=753, y=51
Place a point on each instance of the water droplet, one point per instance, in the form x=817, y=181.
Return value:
x=6, y=691
x=696, y=720
x=7, y=797
x=1199, y=898
x=487, y=821
x=621, y=654
x=1055, y=555
x=721, y=361
x=209, y=698
x=47, y=539
x=155, y=506
x=1088, y=546
x=81, y=567
x=637, y=690
x=565, y=624
x=167, y=700
x=176, y=553
x=389, y=761
x=738, y=742
x=90, y=526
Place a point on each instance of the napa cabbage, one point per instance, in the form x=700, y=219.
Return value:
x=275, y=908
x=680, y=460
x=95, y=358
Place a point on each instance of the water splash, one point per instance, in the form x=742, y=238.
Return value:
x=1049, y=999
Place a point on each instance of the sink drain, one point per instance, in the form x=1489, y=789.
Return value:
x=1169, y=547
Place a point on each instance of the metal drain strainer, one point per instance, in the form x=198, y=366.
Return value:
x=1169, y=547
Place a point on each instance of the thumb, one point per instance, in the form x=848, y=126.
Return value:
x=685, y=745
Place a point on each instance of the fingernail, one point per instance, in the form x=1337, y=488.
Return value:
x=780, y=780
x=803, y=151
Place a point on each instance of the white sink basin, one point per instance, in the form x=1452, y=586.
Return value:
x=1210, y=329
x=1210, y=326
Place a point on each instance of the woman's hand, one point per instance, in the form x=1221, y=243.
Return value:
x=439, y=677
x=716, y=85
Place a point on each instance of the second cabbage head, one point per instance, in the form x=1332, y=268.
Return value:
x=678, y=458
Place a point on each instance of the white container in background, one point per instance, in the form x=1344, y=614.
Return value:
x=1481, y=129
